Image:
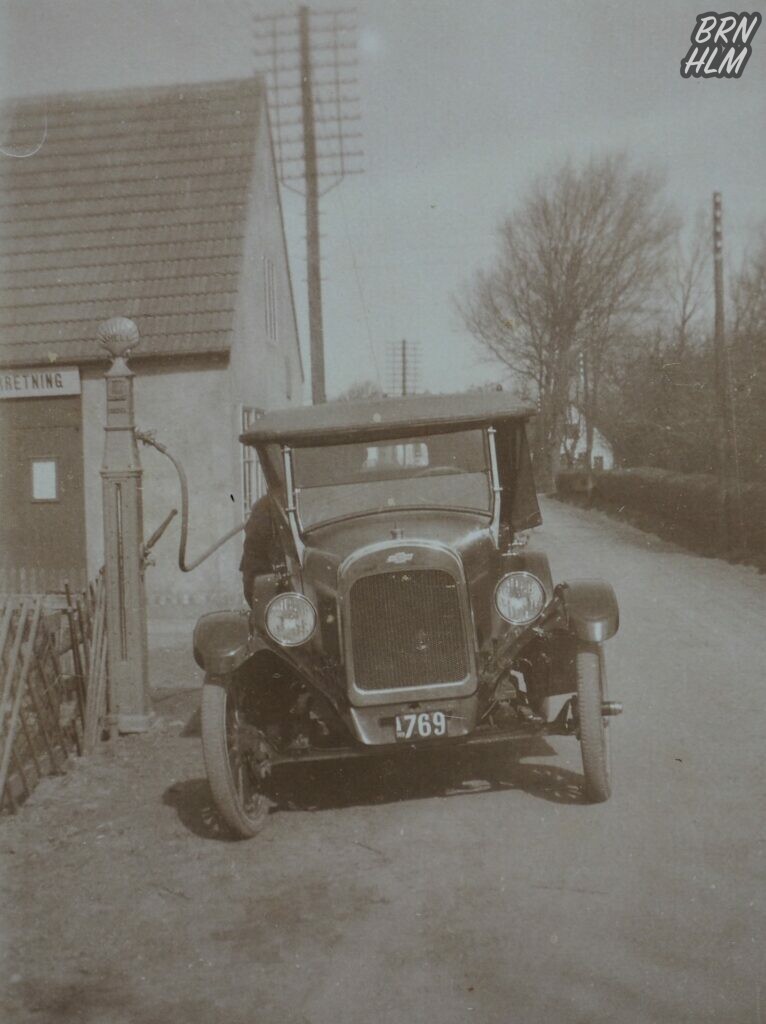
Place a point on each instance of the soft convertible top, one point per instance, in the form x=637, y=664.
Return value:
x=384, y=418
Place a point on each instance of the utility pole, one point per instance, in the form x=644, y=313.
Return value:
x=314, y=267
x=729, y=494
x=404, y=367
x=305, y=56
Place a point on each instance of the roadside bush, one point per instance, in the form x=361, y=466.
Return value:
x=680, y=507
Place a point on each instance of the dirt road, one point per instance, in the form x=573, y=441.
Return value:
x=482, y=890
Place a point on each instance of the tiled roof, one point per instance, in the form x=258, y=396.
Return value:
x=133, y=205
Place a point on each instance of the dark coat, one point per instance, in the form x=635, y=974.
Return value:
x=261, y=548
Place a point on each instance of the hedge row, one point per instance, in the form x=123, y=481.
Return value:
x=680, y=507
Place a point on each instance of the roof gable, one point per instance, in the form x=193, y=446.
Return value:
x=129, y=203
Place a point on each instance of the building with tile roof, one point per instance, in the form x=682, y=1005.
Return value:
x=162, y=205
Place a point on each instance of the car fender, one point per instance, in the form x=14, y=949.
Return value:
x=222, y=642
x=591, y=610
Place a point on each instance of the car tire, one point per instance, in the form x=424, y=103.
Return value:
x=236, y=791
x=594, y=740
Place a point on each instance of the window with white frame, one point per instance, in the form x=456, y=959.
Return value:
x=45, y=480
x=270, y=285
x=253, y=482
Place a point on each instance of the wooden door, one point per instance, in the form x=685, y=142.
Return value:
x=42, y=505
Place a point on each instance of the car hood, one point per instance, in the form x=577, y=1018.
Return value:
x=466, y=534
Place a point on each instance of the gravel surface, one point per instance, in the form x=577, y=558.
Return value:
x=480, y=888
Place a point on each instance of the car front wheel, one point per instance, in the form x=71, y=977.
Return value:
x=594, y=741
x=229, y=759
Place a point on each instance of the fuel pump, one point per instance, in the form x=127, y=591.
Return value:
x=127, y=646
x=125, y=553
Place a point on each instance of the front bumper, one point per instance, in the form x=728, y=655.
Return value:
x=484, y=736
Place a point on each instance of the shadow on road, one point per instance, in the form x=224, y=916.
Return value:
x=193, y=803
x=419, y=776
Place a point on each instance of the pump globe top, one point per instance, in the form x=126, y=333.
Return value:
x=118, y=336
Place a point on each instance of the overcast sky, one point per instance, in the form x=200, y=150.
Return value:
x=463, y=104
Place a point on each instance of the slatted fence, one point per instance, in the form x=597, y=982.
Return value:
x=53, y=703
x=36, y=580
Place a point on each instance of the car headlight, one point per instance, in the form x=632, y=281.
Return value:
x=290, y=619
x=519, y=598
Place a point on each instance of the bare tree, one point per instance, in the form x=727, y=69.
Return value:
x=690, y=282
x=749, y=292
x=747, y=351
x=577, y=263
x=360, y=391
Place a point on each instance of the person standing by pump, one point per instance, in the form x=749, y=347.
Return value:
x=261, y=551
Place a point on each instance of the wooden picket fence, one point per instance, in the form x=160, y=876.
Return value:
x=36, y=580
x=53, y=703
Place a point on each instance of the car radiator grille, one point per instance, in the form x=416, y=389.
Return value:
x=407, y=630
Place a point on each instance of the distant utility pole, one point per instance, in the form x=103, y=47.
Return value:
x=728, y=469
x=306, y=91
x=403, y=367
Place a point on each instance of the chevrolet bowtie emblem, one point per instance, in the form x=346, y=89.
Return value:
x=400, y=557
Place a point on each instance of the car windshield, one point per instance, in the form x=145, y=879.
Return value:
x=444, y=471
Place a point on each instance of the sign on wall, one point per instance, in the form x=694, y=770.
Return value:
x=40, y=382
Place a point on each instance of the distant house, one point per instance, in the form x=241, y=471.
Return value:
x=574, y=447
x=162, y=205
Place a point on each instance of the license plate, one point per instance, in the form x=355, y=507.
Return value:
x=421, y=725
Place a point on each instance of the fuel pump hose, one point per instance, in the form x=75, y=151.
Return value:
x=147, y=439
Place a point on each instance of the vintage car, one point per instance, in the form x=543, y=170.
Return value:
x=404, y=609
